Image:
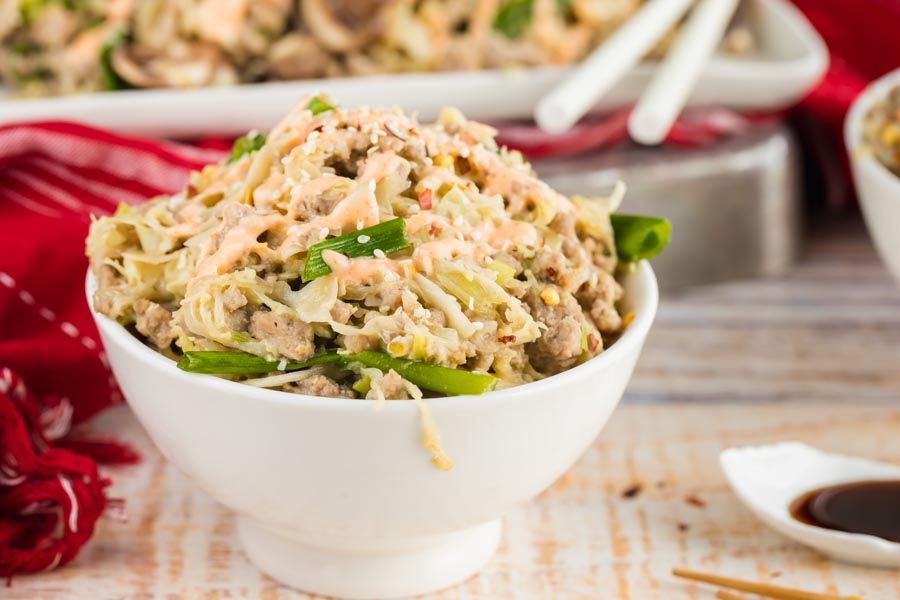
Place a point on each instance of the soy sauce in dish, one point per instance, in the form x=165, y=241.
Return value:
x=869, y=507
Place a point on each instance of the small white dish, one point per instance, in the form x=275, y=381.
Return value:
x=339, y=499
x=768, y=479
x=790, y=60
x=877, y=188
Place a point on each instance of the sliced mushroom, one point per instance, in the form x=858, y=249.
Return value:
x=190, y=65
x=329, y=30
x=297, y=56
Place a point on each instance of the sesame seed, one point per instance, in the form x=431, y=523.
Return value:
x=488, y=260
x=276, y=194
x=363, y=239
x=378, y=252
x=359, y=225
x=323, y=233
x=372, y=184
x=282, y=364
x=471, y=303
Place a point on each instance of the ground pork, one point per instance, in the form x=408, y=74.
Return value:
x=234, y=302
x=600, y=300
x=320, y=385
x=392, y=386
x=283, y=336
x=154, y=322
x=342, y=311
x=560, y=344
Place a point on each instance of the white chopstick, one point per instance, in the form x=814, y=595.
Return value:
x=668, y=92
x=570, y=100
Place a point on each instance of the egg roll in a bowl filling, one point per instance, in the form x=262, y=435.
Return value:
x=357, y=253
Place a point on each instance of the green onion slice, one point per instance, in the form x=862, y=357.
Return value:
x=216, y=362
x=452, y=382
x=639, y=237
x=388, y=237
x=246, y=145
x=112, y=81
x=317, y=106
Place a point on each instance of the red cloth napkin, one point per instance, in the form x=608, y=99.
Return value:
x=53, y=176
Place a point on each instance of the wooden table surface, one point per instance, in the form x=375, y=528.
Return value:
x=810, y=356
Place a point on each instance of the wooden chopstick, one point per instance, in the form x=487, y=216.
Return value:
x=726, y=595
x=763, y=589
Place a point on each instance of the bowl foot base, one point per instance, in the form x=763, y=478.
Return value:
x=434, y=564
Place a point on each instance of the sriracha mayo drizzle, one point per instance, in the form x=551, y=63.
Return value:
x=269, y=190
x=361, y=270
x=425, y=255
x=307, y=190
x=236, y=243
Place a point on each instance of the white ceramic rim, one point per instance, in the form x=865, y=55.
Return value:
x=874, y=92
x=630, y=342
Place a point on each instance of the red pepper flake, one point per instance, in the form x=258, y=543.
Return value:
x=462, y=165
x=593, y=343
x=507, y=339
x=632, y=492
x=695, y=501
x=434, y=229
x=190, y=191
x=683, y=527
x=425, y=199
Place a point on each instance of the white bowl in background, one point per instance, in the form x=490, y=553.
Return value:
x=337, y=498
x=791, y=58
x=877, y=188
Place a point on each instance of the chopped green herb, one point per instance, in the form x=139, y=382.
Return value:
x=245, y=145
x=386, y=238
x=317, y=106
x=513, y=17
x=112, y=81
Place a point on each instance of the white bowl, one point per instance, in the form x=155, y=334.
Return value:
x=877, y=188
x=337, y=498
x=768, y=479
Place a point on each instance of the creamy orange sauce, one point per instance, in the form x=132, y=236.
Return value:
x=265, y=193
x=518, y=232
x=426, y=219
x=306, y=191
x=381, y=165
x=514, y=185
x=361, y=270
x=441, y=176
x=425, y=255
x=236, y=243
x=231, y=176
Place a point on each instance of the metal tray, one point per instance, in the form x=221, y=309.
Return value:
x=735, y=205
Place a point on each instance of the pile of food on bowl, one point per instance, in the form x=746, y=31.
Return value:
x=360, y=254
x=881, y=130
x=63, y=47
